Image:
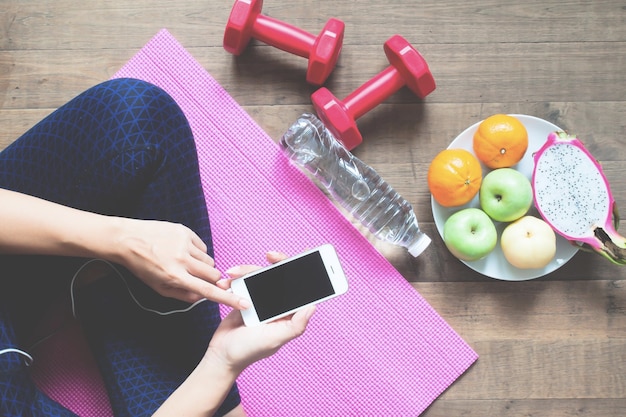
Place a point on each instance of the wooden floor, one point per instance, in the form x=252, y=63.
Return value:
x=554, y=346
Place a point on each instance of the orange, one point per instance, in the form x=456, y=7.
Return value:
x=454, y=177
x=500, y=141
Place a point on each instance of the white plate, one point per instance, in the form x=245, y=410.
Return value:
x=495, y=265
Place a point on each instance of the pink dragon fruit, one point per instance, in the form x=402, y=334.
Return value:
x=572, y=194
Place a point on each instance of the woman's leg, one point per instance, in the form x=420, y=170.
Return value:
x=18, y=395
x=124, y=148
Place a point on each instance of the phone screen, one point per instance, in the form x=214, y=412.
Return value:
x=289, y=286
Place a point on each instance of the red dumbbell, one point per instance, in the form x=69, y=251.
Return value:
x=246, y=21
x=407, y=68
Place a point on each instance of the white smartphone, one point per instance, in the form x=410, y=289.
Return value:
x=286, y=286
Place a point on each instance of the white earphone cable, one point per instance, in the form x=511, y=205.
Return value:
x=119, y=275
x=28, y=360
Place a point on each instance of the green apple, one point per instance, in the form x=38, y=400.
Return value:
x=505, y=194
x=470, y=234
x=528, y=243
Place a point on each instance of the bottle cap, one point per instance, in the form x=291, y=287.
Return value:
x=418, y=246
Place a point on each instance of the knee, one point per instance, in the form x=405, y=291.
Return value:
x=152, y=110
x=137, y=93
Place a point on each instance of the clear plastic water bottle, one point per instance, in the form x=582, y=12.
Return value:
x=353, y=184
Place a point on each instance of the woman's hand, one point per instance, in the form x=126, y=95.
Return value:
x=232, y=348
x=169, y=257
x=173, y=261
x=238, y=346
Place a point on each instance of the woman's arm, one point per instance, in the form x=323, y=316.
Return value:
x=168, y=257
x=32, y=225
x=202, y=393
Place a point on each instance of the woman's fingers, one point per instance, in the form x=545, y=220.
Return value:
x=208, y=282
x=204, y=271
x=274, y=256
x=241, y=270
x=217, y=294
x=201, y=255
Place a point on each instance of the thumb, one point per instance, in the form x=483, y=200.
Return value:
x=241, y=270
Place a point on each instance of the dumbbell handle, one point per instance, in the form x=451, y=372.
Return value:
x=283, y=36
x=373, y=92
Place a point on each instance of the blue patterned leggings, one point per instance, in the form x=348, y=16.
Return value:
x=121, y=148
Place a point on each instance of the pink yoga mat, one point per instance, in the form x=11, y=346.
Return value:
x=380, y=349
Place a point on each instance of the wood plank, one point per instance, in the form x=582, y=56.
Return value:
x=537, y=340
x=539, y=310
x=251, y=79
x=524, y=408
x=98, y=25
x=513, y=369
